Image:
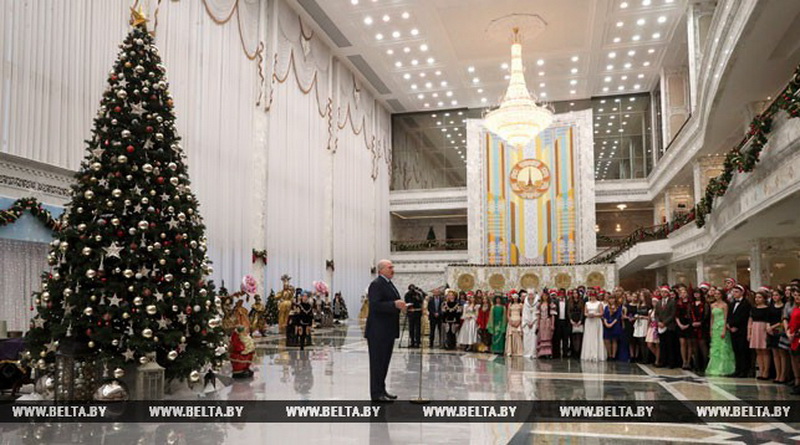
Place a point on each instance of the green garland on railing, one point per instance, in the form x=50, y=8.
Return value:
x=739, y=160
x=13, y=213
x=644, y=234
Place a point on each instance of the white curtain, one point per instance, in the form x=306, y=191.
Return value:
x=22, y=264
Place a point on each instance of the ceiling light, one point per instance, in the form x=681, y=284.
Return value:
x=607, y=79
x=353, y=2
x=573, y=82
x=637, y=86
x=605, y=89
x=620, y=24
x=379, y=36
x=657, y=35
x=367, y=20
x=504, y=66
x=414, y=86
x=414, y=31
x=543, y=94
x=507, y=77
x=574, y=71
x=396, y=34
x=406, y=15
x=406, y=50
x=471, y=69
x=438, y=122
x=438, y=73
x=428, y=85
x=443, y=83
x=420, y=96
x=631, y=53
x=641, y=22
x=612, y=55
x=398, y=64
x=541, y=85
x=449, y=94
x=435, y=95
x=574, y=58
x=609, y=67
x=624, y=77
x=662, y=19
x=390, y=51
x=406, y=76
x=415, y=62
x=646, y=64
x=480, y=90
x=602, y=101
x=422, y=74
x=541, y=73
x=640, y=76
x=431, y=60
x=475, y=80
x=519, y=118
x=440, y=103
x=645, y=2
x=483, y=100
x=623, y=5
x=423, y=47
x=572, y=92
x=651, y=51
x=636, y=38
x=617, y=39
x=627, y=65
x=386, y=17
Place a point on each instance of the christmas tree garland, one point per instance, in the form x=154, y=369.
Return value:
x=13, y=213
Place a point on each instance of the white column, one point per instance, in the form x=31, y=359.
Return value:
x=756, y=276
x=700, y=265
x=674, y=100
x=698, y=21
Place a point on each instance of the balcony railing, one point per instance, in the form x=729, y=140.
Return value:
x=417, y=245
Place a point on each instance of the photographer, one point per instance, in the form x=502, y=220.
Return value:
x=414, y=298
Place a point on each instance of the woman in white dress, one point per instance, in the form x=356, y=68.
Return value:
x=468, y=335
x=530, y=323
x=593, y=348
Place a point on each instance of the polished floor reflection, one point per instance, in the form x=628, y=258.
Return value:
x=336, y=367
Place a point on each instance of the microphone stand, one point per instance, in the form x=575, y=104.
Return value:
x=419, y=400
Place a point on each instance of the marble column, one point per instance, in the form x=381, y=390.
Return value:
x=700, y=266
x=698, y=21
x=759, y=269
x=703, y=170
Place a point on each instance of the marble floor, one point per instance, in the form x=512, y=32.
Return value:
x=337, y=368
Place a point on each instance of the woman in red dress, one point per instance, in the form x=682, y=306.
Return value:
x=485, y=339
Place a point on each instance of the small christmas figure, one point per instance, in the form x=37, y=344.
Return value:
x=242, y=350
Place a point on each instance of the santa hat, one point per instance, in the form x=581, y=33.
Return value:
x=732, y=280
x=766, y=289
x=470, y=294
x=740, y=287
x=665, y=287
x=705, y=285
x=592, y=292
x=553, y=292
x=562, y=293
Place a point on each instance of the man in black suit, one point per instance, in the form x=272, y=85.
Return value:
x=668, y=329
x=383, y=326
x=738, y=317
x=414, y=313
x=435, y=316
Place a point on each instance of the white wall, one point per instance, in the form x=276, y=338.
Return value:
x=296, y=174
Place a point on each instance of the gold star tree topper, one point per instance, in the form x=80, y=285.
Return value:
x=137, y=16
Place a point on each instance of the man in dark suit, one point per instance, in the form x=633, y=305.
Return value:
x=383, y=326
x=738, y=317
x=665, y=314
x=414, y=313
x=435, y=316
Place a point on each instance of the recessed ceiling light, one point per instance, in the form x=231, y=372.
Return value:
x=657, y=35
x=574, y=58
x=438, y=73
x=396, y=34
x=631, y=53
x=413, y=86
x=662, y=19
x=504, y=66
x=640, y=76
x=406, y=15
x=541, y=85
x=632, y=99
x=443, y=83
x=627, y=65
x=609, y=67
x=398, y=64
x=506, y=77
x=651, y=51
x=641, y=22
x=573, y=82
x=367, y=20
x=540, y=62
x=605, y=89
x=612, y=55
x=637, y=86
x=602, y=101
x=623, y=5
x=574, y=71
x=440, y=103
x=414, y=31
x=428, y=85
x=435, y=95
x=476, y=80
x=406, y=50
x=483, y=99
x=645, y=2
x=420, y=96
x=636, y=38
x=617, y=39
x=607, y=79
x=390, y=51
x=543, y=94
x=646, y=64
x=386, y=17
x=480, y=90
x=406, y=76
x=422, y=74
x=423, y=47
x=449, y=94
x=624, y=77
x=379, y=36
x=541, y=73
x=572, y=91
x=431, y=60
x=414, y=62
x=620, y=24
x=471, y=69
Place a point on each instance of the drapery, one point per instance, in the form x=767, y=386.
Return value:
x=302, y=172
x=22, y=264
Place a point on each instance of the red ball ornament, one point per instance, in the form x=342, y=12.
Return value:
x=204, y=332
x=180, y=261
x=134, y=246
x=50, y=305
x=160, y=179
x=120, y=233
x=89, y=331
x=149, y=129
x=103, y=280
x=147, y=292
x=100, y=323
x=188, y=310
x=113, y=77
x=167, y=243
x=130, y=148
x=153, y=97
x=118, y=174
x=152, y=225
x=179, y=237
x=117, y=109
x=106, y=143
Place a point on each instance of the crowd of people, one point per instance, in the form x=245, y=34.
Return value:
x=726, y=331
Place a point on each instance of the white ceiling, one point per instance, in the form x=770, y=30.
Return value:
x=435, y=54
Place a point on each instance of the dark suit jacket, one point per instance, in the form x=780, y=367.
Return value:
x=432, y=309
x=383, y=321
x=666, y=314
x=741, y=316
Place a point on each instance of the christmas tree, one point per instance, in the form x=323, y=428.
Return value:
x=129, y=265
x=272, y=309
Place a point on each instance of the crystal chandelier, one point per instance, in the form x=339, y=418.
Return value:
x=518, y=119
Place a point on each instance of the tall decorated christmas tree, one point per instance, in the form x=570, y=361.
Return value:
x=128, y=268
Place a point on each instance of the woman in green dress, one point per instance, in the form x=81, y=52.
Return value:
x=722, y=361
x=497, y=326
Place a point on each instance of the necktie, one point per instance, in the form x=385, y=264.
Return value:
x=394, y=289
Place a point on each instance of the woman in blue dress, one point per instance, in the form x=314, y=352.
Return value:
x=612, y=326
